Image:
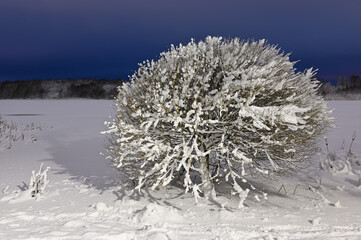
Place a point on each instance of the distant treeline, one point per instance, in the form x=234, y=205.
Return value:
x=346, y=88
x=57, y=89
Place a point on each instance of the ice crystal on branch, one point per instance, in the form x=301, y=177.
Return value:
x=217, y=108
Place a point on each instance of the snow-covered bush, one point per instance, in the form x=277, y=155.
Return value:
x=7, y=134
x=215, y=109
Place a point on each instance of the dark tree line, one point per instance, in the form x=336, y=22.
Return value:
x=56, y=89
x=345, y=86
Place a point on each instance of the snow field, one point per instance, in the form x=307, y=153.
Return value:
x=84, y=199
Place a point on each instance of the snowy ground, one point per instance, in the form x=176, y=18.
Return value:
x=85, y=201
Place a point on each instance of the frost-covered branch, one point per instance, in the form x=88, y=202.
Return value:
x=39, y=181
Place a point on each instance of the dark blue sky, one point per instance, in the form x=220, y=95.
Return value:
x=43, y=39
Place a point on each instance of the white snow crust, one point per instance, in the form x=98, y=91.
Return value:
x=85, y=199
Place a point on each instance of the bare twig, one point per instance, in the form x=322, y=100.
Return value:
x=283, y=187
